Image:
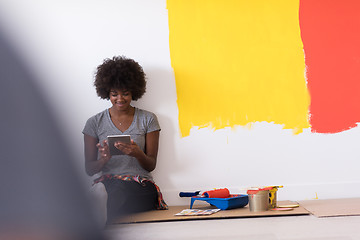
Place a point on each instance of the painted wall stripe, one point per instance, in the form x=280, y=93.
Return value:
x=237, y=62
x=330, y=31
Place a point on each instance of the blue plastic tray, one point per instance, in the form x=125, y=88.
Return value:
x=234, y=201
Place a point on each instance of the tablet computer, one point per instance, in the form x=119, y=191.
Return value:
x=112, y=139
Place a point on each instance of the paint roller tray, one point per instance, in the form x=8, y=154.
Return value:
x=234, y=201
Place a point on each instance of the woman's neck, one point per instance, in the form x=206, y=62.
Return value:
x=118, y=113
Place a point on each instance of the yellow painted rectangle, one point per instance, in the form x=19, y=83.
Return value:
x=237, y=62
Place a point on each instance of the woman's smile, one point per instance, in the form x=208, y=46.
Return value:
x=120, y=98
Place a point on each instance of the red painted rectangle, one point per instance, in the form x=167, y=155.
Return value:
x=330, y=31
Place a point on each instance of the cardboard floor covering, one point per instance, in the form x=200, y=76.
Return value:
x=333, y=207
x=169, y=215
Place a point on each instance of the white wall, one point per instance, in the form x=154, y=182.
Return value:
x=64, y=41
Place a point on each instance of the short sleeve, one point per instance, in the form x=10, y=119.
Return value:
x=153, y=123
x=90, y=128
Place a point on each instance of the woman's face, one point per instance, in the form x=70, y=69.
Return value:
x=120, y=99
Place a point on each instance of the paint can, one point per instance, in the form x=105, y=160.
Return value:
x=258, y=200
x=272, y=197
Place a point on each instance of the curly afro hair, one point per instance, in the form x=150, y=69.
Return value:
x=120, y=73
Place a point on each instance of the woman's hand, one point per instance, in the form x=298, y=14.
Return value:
x=147, y=158
x=131, y=149
x=93, y=164
x=104, y=151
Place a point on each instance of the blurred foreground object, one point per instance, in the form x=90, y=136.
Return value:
x=41, y=196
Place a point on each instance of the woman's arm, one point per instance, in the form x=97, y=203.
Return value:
x=146, y=159
x=91, y=148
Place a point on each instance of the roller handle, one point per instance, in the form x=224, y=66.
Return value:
x=189, y=194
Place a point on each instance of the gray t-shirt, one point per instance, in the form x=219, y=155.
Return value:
x=100, y=126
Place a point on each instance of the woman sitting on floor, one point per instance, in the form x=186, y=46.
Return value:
x=127, y=179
